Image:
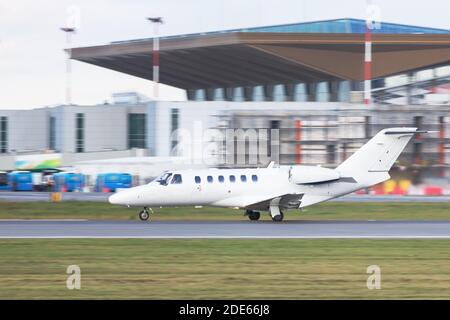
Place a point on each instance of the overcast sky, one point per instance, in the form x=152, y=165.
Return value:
x=32, y=63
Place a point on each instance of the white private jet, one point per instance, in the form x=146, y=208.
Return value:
x=275, y=188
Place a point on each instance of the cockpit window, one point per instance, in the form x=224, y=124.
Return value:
x=164, y=178
x=176, y=179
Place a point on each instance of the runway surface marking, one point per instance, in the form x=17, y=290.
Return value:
x=226, y=237
x=225, y=230
x=43, y=220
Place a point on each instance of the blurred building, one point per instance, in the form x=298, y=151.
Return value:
x=314, y=61
x=303, y=80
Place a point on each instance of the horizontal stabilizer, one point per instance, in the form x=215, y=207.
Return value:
x=406, y=132
x=309, y=175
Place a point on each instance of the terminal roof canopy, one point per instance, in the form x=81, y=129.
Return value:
x=303, y=52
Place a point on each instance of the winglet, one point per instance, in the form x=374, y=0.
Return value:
x=271, y=164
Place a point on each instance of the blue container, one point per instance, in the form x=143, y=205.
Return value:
x=68, y=182
x=110, y=182
x=20, y=181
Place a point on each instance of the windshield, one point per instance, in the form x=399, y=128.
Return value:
x=164, y=178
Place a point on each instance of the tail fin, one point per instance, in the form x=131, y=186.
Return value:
x=379, y=153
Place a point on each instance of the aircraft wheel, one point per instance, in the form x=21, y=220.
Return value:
x=278, y=218
x=144, y=215
x=254, y=215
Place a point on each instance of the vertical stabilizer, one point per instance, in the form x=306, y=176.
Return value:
x=379, y=153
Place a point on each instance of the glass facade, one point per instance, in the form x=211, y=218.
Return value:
x=52, y=134
x=3, y=134
x=174, y=125
x=300, y=93
x=344, y=91
x=322, y=92
x=258, y=93
x=79, y=132
x=200, y=95
x=279, y=93
x=219, y=94
x=238, y=94
x=137, y=130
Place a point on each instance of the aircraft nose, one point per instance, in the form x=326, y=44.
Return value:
x=113, y=199
x=118, y=198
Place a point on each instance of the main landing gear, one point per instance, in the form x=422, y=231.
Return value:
x=278, y=217
x=275, y=213
x=253, y=215
x=144, y=214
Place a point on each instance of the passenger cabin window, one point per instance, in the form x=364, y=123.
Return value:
x=198, y=179
x=232, y=179
x=254, y=178
x=244, y=178
x=209, y=179
x=164, y=178
x=221, y=179
x=176, y=179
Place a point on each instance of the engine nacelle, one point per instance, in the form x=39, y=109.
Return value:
x=310, y=174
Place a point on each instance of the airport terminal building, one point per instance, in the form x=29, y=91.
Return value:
x=304, y=80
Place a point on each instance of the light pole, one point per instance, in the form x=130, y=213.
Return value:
x=368, y=63
x=69, y=32
x=156, y=22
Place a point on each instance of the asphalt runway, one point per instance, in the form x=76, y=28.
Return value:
x=103, y=197
x=225, y=229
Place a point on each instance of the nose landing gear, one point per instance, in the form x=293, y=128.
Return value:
x=144, y=214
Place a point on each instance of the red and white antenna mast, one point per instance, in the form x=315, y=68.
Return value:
x=373, y=21
x=155, y=54
x=368, y=66
x=368, y=56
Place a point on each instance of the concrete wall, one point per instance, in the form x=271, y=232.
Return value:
x=7, y=162
x=27, y=129
x=194, y=117
x=69, y=159
x=105, y=127
x=105, y=132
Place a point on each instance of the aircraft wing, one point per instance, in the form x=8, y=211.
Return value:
x=286, y=201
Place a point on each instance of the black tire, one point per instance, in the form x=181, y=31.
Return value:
x=254, y=215
x=144, y=215
x=278, y=218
